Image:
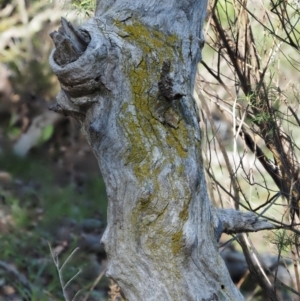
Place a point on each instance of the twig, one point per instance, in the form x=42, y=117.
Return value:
x=242, y=280
x=60, y=272
x=293, y=112
x=224, y=153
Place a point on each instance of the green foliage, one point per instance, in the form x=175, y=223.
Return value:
x=26, y=168
x=284, y=240
x=19, y=214
x=85, y=7
x=11, y=130
x=262, y=117
x=60, y=201
x=36, y=208
x=46, y=133
x=35, y=202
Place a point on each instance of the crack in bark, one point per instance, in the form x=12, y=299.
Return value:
x=165, y=84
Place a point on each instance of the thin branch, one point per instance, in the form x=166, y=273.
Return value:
x=67, y=284
x=69, y=257
x=255, y=267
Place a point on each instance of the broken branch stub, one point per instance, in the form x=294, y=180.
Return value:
x=70, y=43
x=81, y=65
x=234, y=221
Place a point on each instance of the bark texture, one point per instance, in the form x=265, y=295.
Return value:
x=127, y=76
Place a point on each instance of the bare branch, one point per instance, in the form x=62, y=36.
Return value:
x=234, y=221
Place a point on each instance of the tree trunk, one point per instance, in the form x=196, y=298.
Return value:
x=127, y=76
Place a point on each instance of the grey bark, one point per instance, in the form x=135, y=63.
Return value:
x=127, y=76
x=234, y=221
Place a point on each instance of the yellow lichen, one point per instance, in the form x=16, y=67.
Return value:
x=156, y=48
x=177, y=242
x=144, y=131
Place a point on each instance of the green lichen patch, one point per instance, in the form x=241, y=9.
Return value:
x=177, y=242
x=141, y=126
x=153, y=144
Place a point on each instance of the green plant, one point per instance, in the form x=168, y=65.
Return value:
x=85, y=8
